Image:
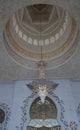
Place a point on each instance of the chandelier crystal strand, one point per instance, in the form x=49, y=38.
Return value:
x=42, y=91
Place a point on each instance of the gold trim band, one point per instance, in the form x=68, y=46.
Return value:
x=36, y=56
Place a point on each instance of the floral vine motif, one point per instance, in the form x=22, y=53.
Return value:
x=78, y=112
x=6, y=109
x=61, y=103
x=24, y=112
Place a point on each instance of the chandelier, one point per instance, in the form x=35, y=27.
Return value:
x=42, y=86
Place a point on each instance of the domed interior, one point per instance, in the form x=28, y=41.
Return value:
x=41, y=28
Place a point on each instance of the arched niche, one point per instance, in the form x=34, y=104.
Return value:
x=43, y=111
x=43, y=116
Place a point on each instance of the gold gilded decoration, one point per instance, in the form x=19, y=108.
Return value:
x=36, y=56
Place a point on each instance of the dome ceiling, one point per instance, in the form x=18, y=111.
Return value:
x=41, y=26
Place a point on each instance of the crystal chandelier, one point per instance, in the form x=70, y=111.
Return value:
x=42, y=86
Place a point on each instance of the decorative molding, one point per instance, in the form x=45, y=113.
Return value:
x=37, y=56
x=61, y=24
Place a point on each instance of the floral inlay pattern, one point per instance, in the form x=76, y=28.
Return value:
x=24, y=111
x=73, y=125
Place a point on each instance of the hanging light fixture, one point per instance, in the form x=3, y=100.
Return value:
x=42, y=86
